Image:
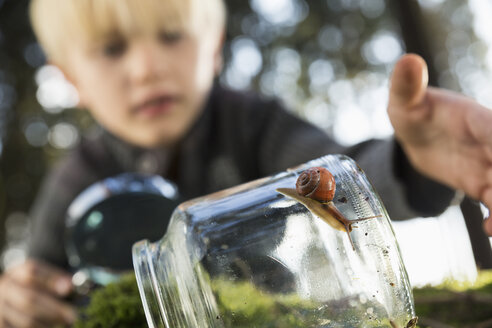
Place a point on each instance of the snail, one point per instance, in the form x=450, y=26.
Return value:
x=315, y=189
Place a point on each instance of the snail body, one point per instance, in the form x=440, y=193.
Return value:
x=315, y=189
x=326, y=210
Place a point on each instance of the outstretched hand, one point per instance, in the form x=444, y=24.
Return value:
x=446, y=136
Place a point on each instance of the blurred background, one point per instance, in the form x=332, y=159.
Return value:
x=328, y=60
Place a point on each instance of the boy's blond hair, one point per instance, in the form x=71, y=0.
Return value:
x=56, y=22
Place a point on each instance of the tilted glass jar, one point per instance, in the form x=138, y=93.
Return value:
x=251, y=257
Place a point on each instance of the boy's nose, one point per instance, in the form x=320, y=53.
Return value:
x=146, y=63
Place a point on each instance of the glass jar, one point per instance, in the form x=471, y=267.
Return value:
x=251, y=257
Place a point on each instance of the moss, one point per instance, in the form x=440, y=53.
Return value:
x=242, y=305
x=456, y=304
x=256, y=309
x=452, y=304
x=116, y=305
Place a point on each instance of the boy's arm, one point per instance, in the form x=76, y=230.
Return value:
x=59, y=188
x=405, y=192
x=47, y=217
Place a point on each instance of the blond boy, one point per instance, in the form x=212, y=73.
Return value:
x=145, y=71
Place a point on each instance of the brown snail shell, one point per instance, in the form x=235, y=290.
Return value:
x=316, y=183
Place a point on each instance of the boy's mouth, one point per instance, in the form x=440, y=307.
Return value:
x=156, y=106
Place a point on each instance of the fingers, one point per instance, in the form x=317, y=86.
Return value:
x=16, y=319
x=479, y=121
x=486, y=198
x=408, y=82
x=30, y=296
x=487, y=226
x=27, y=307
x=41, y=276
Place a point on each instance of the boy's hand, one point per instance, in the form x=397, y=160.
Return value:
x=446, y=136
x=30, y=296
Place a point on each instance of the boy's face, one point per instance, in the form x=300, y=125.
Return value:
x=146, y=89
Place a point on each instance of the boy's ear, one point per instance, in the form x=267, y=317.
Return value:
x=218, y=56
x=70, y=80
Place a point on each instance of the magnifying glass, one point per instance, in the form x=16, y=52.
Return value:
x=107, y=218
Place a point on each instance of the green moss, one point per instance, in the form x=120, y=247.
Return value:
x=116, y=305
x=242, y=305
x=456, y=304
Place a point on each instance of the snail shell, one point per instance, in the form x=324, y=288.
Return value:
x=316, y=183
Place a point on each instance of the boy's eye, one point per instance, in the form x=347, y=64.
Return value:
x=114, y=48
x=170, y=37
